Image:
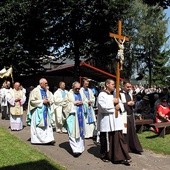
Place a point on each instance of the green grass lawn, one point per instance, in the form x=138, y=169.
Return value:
x=17, y=155
x=157, y=144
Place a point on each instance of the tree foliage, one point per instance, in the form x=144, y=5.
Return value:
x=32, y=30
x=147, y=38
x=18, y=32
x=162, y=3
x=25, y=37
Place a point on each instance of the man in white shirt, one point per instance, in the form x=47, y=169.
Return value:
x=113, y=145
x=4, y=103
x=59, y=103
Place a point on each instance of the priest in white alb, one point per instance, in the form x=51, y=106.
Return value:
x=59, y=103
x=90, y=118
x=39, y=114
x=16, y=99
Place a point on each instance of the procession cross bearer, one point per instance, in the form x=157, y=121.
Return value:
x=120, y=39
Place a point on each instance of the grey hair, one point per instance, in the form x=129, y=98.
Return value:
x=42, y=80
x=74, y=83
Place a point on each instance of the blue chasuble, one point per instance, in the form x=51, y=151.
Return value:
x=89, y=109
x=45, y=109
x=77, y=96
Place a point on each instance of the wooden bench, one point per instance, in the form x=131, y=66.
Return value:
x=162, y=128
x=141, y=123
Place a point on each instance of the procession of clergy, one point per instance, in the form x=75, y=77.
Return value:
x=73, y=112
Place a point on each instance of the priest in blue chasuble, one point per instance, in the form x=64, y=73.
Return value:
x=75, y=121
x=39, y=114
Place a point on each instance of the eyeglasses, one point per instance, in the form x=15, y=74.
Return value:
x=77, y=88
x=128, y=86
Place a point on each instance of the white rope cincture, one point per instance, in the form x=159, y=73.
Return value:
x=107, y=140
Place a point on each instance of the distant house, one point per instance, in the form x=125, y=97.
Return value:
x=63, y=70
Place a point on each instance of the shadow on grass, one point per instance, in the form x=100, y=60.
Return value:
x=168, y=130
x=151, y=137
x=38, y=165
x=155, y=135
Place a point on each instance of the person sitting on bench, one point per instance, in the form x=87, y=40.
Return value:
x=143, y=109
x=163, y=111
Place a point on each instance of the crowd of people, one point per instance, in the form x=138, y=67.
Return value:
x=153, y=103
x=84, y=113
x=12, y=100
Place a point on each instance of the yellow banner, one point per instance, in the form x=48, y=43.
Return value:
x=6, y=73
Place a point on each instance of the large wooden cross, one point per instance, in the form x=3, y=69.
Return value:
x=118, y=36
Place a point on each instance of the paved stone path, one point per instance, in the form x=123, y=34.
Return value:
x=89, y=160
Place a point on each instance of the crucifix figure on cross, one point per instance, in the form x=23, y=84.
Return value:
x=120, y=42
x=120, y=53
x=120, y=56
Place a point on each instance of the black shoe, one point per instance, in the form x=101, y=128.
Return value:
x=76, y=154
x=125, y=162
x=7, y=118
x=52, y=142
x=49, y=143
x=137, y=152
x=105, y=158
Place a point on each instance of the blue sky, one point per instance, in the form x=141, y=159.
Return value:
x=167, y=12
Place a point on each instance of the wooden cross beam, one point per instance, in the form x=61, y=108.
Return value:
x=118, y=36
